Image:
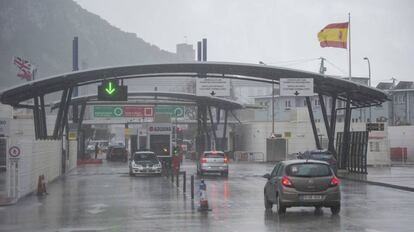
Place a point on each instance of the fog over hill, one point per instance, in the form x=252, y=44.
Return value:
x=42, y=32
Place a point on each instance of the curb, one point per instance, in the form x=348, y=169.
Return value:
x=7, y=203
x=405, y=188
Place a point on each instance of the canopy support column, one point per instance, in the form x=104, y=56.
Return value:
x=315, y=132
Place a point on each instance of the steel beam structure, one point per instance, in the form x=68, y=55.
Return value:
x=36, y=120
x=64, y=123
x=43, y=117
x=346, y=139
x=223, y=139
x=58, y=121
x=213, y=126
x=331, y=146
x=312, y=119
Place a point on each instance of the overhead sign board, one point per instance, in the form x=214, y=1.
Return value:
x=111, y=91
x=217, y=87
x=123, y=111
x=173, y=110
x=296, y=87
x=4, y=126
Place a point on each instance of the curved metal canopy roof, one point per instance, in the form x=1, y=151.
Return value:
x=359, y=95
x=162, y=98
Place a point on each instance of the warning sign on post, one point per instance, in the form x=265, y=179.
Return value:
x=296, y=87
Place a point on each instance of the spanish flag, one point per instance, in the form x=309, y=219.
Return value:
x=334, y=35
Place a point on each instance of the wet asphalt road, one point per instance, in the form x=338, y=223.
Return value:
x=105, y=198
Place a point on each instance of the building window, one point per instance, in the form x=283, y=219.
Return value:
x=401, y=99
x=287, y=104
x=317, y=103
x=374, y=146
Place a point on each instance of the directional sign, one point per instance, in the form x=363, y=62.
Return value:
x=296, y=87
x=123, y=111
x=14, y=152
x=173, y=110
x=111, y=91
x=109, y=88
x=217, y=87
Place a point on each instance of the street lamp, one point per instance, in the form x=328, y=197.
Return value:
x=369, y=71
x=369, y=83
x=273, y=103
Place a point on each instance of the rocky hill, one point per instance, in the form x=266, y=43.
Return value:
x=42, y=32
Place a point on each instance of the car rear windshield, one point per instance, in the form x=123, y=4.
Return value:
x=214, y=155
x=145, y=157
x=308, y=170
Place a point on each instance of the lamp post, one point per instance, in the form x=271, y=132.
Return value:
x=369, y=83
x=369, y=71
x=273, y=104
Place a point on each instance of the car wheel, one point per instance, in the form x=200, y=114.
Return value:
x=268, y=204
x=280, y=207
x=336, y=209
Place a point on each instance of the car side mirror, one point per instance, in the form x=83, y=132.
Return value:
x=267, y=176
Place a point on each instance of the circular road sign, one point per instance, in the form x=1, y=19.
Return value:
x=179, y=112
x=118, y=111
x=14, y=151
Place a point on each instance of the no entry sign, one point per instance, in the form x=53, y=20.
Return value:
x=14, y=152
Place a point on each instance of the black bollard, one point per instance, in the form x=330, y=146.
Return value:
x=184, y=181
x=192, y=186
x=178, y=179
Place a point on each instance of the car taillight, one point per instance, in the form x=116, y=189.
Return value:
x=226, y=161
x=203, y=160
x=334, y=182
x=286, y=182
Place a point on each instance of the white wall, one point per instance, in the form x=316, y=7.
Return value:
x=252, y=137
x=403, y=136
x=41, y=157
x=37, y=156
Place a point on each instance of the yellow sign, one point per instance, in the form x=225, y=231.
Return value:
x=126, y=132
x=73, y=135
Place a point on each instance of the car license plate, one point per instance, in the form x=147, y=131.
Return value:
x=311, y=197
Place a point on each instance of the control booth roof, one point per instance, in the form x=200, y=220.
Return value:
x=360, y=95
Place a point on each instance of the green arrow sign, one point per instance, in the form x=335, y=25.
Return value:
x=110, y=88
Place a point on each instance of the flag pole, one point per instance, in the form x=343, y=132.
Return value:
x=349, y=45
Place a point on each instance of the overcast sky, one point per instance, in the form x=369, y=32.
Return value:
x=275, y=31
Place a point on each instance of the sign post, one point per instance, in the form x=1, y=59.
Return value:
x=14, y=156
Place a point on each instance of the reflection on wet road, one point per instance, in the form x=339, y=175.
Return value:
x=105, y=198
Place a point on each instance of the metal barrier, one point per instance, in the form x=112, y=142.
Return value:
x=250, y=156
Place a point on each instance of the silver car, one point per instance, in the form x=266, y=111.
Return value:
x=213, y=162
x=144, y=162
x=302, y=183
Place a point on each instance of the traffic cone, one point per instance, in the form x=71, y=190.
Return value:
x=203, y=197
x=41, y=185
